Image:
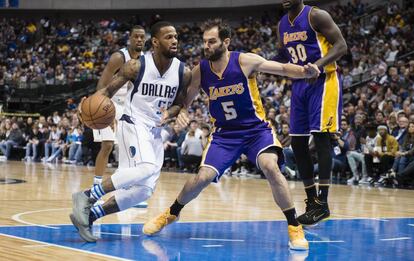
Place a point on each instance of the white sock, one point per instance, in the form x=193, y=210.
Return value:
x=97, y=180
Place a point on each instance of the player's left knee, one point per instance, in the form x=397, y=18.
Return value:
x=270, y=166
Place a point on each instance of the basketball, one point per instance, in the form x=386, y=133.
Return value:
x=97, y=111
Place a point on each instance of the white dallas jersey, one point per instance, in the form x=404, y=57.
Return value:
x=119, y=96
x=152, y=91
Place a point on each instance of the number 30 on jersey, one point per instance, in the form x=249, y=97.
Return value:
x=298, y=54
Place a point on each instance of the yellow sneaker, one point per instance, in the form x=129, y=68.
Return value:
x=156, y=224
x=297, y=240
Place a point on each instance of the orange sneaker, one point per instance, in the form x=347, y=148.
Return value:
x=156, y=224
x=297, y=240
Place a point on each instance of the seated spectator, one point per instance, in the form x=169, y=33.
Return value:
x=52, y=142
x=386, y=150
x=356, y=157
x=192, y=149
x=15, y=138
x=171, y=145
x=406, y=153
x=284, y=136
x=400, y=132
x=63, y=137
x=75, y=146
x=369, y=153
x=32, y=144
x=340, y=146
x=285, y=140
x=205, y=135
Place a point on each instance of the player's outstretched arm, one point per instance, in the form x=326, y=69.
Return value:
x=254, y=63
x=114, y=64
x=127, y=73
x=323, y=23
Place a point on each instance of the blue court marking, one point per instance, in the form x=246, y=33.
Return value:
x=352, y=239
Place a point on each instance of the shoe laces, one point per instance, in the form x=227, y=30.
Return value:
x=296, y=232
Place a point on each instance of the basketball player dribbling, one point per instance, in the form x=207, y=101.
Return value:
x=159, y=87
x=309, y=35
x=107, y=136
x=229, y=79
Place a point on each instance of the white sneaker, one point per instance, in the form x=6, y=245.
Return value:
x=236, y=172
x=243, y=171
x=141, y=205
x=290, y=172
x=364, y=180
x=351, y=180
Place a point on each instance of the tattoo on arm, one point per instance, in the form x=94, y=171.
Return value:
x=127, y=73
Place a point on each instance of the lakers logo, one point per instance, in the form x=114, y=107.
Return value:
x=297, y=36
x=226, y=91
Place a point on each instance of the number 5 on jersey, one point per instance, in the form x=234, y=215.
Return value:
x=229, y=112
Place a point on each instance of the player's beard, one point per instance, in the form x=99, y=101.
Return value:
x=217, y=54
x=169, y=54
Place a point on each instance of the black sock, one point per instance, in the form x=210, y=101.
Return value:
x=175, y=208
x=291, y=217
x=323, y=193
x=92, y=218
x=311, y=192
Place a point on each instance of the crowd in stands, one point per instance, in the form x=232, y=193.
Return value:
x=375, y=143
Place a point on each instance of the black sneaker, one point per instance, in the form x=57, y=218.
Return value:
x=315, y=212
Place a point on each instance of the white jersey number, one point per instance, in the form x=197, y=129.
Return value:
x=298, y=54
x=229, y=112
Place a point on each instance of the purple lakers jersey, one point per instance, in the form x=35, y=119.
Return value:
x=303, y=44
x=234, y=99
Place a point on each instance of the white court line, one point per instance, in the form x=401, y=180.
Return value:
x=395, y=239
x=327, y=241
x=108, y=233
x=17, y=218
x=65, y=247
x=37, y=246
x=212, y=245
x=354, y=217
x=216, y=239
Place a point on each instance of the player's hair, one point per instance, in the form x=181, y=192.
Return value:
x=155, y=28
x=224, y=29
x=137, y=27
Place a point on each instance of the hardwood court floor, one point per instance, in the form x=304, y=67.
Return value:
x=43, y=201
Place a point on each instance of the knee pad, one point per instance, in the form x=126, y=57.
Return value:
x=128, y=177
x=126, y=198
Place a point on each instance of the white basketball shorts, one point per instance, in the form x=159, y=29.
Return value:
x=139, y=143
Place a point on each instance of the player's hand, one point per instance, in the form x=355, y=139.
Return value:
x=79, y=110
x=183, y=118
x=311, y=71
x=164, y=116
